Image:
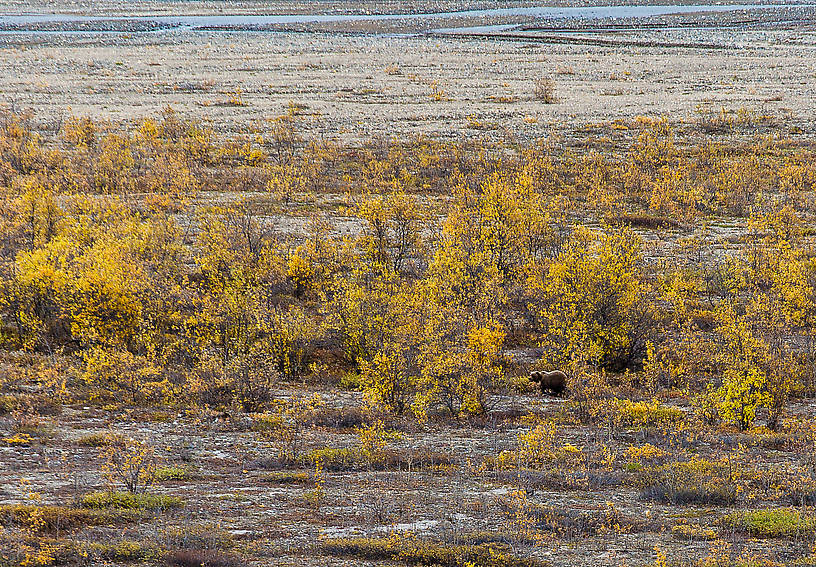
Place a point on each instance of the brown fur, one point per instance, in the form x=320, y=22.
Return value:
x=555, y=381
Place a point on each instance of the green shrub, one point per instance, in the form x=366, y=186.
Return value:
x=163, y=474
x=413, y=552
x=333, y=459
x=125, y=550
x=772, y=523
x=350, y=381
x=645, y=414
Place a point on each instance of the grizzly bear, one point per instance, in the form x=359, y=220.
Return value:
x=555, y=381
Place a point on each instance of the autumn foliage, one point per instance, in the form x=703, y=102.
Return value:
x=164, y=264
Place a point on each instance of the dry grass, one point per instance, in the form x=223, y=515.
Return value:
x=544, y=91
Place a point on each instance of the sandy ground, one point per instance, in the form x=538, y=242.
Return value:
x=357, y=83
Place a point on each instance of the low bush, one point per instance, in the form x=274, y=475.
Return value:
x=413, y=552
x=125, y=550
x=644, y=221
x=646, y=453
x=569, y=523
x=801, y=494
x=772, y=523
x=336, y=418
x=693, y=532
x=698, y=481
x=18, y=440
x=129, y=501
x=55, y=519
x=565, y=478
x=99, y=439
x=164, y=474
x=544, y=90
x=773, y=440
x=286, y=477
x=709, y=494
x=482, y=538
x=334, y=459
x=63, y=551
x=645, y=414
x=198, y=537
x=7, y=404
x=538, y=449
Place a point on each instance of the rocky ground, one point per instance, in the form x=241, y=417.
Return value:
x=231, y=490
x=392, y=78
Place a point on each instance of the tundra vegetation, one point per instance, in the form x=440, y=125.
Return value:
x=267, y=348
